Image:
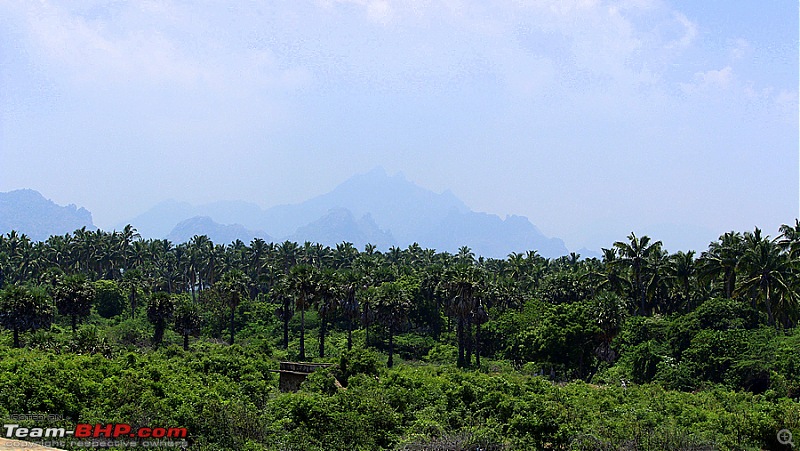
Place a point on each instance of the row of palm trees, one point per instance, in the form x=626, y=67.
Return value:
x=749, y=266
x=415, y=287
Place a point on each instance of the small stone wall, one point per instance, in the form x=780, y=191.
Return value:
x=292, y=374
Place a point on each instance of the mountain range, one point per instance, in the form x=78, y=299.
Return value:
x=375, y=207
x=27, y=211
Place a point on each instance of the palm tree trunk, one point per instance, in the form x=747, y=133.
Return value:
x=133, y=302
x=478, y=345
x=185, y=340
x=460, y=335
x=390, y=363
x=158, y=334
x=233, y=312
x=642, y=293
x=768, y=305
x=349, y=335
x=286, y=329
x=16, y=338
x=729, y=276
x=74, y=323
x=468, y=343
x=302, y=332
x=686, y=293
x=322, y=337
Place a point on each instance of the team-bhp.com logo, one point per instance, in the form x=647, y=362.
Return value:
x=89, y=431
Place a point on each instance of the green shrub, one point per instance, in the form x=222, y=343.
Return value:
x=110, y=300
x=358, y=361
x=442, y=353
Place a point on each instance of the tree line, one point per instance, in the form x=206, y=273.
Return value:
x=202, y=285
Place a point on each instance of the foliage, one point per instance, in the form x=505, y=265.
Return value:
x=23, y=309
x=74, y=296
x=109, y=298
x=641, y=349
x=160, y=309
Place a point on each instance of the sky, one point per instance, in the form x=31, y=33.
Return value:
x=593, y=118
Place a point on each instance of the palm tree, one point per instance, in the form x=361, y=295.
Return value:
x=23, y=309
x=417, y=256
x=281, y=292
x=479, y=317
x=256, y=257
x=682, y=270
x=658, y=280
x=790, y=239
x=722, y=259
x=232, y=288
x=327, y=301
x=768, y=272
x=288, y=253
x=465, y=256
x=460, y=286
x=394, y=255
x=392, y=304
x=131, y=281
x=609, y=311
x=608, y=277
x=165, y=264
x=187, y=319
x=370, y=249
x=160, y=309
x=344, y=255
x=635, y=255
x=200, y=249
x=303, y=281
x=349, y=283
x=74, y=296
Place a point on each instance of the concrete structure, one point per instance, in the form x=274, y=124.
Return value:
x=292, y=374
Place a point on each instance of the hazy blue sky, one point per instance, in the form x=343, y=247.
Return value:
x=677, y=119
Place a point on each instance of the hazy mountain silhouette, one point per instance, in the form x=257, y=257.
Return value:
x=218, y=233
x=393, y=211
x=490, y=236
x=28, y=212
x=397, y=205
x=340, y=225
x=159, y=221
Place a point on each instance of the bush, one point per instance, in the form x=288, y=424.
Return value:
x=358, y=361
x=110, y=300
x=442, y=353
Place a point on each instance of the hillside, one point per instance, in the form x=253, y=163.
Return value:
x=28, y=212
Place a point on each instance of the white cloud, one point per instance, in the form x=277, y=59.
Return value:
x=787, y=104
x=718, y=78
x=379, y=11
x=741, y=48
x=150, y=44
x=689, y=32
x=96, y=50
x=715, y=79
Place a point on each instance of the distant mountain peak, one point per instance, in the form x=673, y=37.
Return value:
x=372, y=207
x=218, y=233
x=28, y=211
x=340, y=225
x=377, y=171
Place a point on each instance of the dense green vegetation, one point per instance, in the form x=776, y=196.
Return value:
x=641, y=349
